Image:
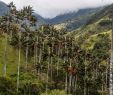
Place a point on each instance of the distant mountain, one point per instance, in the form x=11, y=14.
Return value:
x=99, y=23
x=40, y=19
x=81, y=18
x=105, y=12
x=71, y=15
x=73, y=20
x=3, y=8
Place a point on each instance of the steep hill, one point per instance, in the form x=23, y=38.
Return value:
x=98, y=24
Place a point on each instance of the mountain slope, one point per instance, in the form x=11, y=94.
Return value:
x=105, y=12
x=72, y=15
x=73, y=20
x=3, y=8
x=40, y=20
x=98, y=24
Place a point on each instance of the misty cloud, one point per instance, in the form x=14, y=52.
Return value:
x=52, y=8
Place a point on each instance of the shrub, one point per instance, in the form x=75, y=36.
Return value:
x=31, y=88
x=55, y=92
x=7, y=86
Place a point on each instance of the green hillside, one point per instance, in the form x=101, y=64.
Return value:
x=12, y=57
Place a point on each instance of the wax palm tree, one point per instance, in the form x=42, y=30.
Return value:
x=19, y=60
x=111, y=63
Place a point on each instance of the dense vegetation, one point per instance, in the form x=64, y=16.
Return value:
x=46, y=61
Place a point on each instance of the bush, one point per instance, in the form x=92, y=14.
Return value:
x=105, y=23
x=31, y=88
x=54, y=92
x=7, y=86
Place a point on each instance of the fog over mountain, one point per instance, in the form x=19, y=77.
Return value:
x=52, y=8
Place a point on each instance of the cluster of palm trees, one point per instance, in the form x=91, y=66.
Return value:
x=56, y=55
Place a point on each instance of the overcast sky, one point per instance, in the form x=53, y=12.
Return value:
x=51, y=8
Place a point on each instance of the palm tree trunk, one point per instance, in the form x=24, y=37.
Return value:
x=5, y=50
x=66, y=83
x=111, y=66
x=40, y=57
x=39, y=61
x=58, y=61
x=5, y=56
x=70, y=77
x=85, y=82
x=27, y=48
x=48, y=68
x=19, y=59
x=51, y=62
x=106, y=77
x=102, y=84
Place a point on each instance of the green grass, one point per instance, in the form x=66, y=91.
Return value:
x=90, y=42
x=11, y=58
x=55, y=92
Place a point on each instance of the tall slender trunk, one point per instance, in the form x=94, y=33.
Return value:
x=106, y=77
x=102, y=84
x=85, y=81
x=75, y=78
x=27, y=48
x=35, y=50
x=40, y=57
x=58, y=61
x=66, y=82
x=39, y=61
x=48, y=68
x=5, y=55
x=51, y=62
x=70, y=77
x=111, y=66
x=19, y=59
x=5, y=50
